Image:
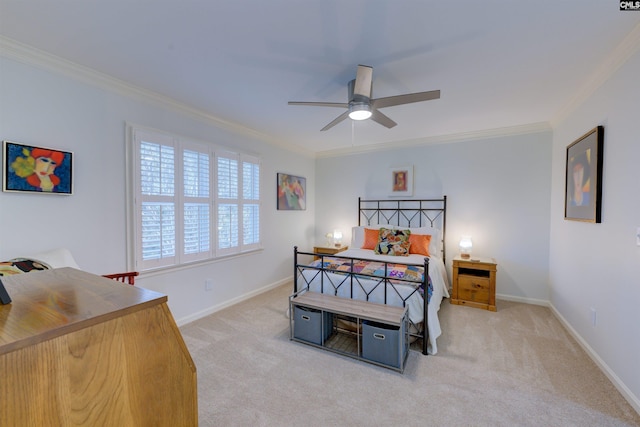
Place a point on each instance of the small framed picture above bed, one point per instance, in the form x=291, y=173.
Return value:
x=401, y=181
x=583, y=195
x=38, y=170
x=292, y=192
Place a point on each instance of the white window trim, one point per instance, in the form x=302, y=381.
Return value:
x=134, y=134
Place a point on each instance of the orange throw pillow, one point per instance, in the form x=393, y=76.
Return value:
x=419, y=244
x=370, y=238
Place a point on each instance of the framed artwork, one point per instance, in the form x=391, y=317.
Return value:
x=41, y=170
x=583, y=182
x=292, y=192
x=401, y=181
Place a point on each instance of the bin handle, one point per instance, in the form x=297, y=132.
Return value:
x=304, y=317
x=378, y=336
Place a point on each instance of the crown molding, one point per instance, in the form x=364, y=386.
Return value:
x=440, y=139
x=26, y=54
x=621, y=54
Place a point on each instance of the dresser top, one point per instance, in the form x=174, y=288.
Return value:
x=51, y=303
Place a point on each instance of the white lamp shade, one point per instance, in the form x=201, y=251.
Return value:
x=466, y=244
x=337, y=237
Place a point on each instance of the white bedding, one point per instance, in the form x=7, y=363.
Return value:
x=414, y=303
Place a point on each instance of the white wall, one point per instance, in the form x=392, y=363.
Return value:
x=497, y=189
x=49, y=108
x=598, y=265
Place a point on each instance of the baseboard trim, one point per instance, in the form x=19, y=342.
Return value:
x=203, y=313
x=524, y=300
x=617, y=382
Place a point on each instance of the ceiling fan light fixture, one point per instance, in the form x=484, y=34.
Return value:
x=361, y=105
x=359, y=111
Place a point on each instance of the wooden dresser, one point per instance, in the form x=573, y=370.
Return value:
x=474, y=282
x=80, y=349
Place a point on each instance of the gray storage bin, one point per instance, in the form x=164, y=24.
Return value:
x=383, y=343
x=307, y=324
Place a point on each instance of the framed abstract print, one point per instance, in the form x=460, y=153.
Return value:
x=583, y=177
x=292, y=192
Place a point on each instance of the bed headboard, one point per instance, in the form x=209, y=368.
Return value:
x=405, y=213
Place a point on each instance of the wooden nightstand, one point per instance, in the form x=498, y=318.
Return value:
x=329, y=250
x=474, y=282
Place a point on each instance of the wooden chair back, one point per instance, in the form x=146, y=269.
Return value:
x=128, y=277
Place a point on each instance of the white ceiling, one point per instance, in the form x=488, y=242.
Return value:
x=498, y=63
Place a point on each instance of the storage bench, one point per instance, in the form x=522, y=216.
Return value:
x=381, y=335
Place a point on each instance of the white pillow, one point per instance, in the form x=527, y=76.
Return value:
x=357, y=237
x=56, y=258
x=357, y=234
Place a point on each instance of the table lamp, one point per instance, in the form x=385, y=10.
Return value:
x=337, y=238
x=465, y=247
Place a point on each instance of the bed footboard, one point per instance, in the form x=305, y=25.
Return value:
x=354, y=278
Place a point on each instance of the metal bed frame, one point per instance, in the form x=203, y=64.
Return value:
x=406, y=213
x=410, y=213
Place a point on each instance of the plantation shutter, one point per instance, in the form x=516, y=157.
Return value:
x=250, y=203
x=196, y=203
x=228, y=203
x=188, y=201
x=157, y=220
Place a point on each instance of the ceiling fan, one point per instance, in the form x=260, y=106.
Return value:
x=362, y=107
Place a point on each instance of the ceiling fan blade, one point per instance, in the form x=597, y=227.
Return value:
x=408, y=98
x=385, y=121
x=321, y=104
x=335, y=121
x=364, y=80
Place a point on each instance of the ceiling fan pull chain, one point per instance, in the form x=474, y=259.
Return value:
x=353, y=133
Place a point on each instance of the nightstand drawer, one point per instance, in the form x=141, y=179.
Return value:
x=474, y=288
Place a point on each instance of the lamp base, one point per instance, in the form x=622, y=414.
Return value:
x=465, y=256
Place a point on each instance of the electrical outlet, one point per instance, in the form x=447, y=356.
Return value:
x=638, y=236
x=594, y=317
x=208, y=285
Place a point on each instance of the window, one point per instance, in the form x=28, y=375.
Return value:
x=190, y=201
x=238, y=202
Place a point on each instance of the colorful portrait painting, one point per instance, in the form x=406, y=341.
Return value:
x=36, y=169
x=583, y=179
x=292, y=192
x=579, y=182
x=401, y=181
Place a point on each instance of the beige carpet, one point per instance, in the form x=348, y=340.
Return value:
x=516, y=367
